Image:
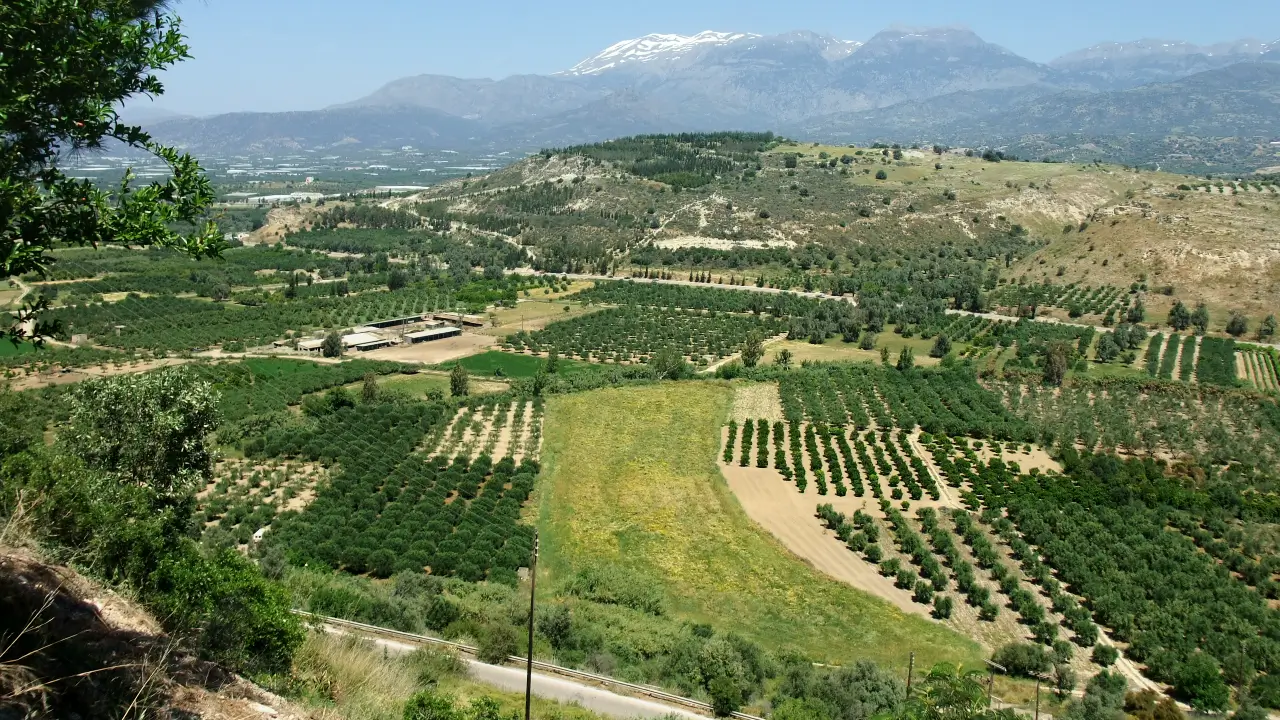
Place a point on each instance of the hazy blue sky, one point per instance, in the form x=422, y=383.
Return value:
x=296, y=55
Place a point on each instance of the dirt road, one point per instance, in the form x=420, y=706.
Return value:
x=775, y=505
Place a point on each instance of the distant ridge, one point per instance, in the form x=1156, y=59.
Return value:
x=903, y=84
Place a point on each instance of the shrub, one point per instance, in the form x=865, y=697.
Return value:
x=238, y=617
x=941, y=346
x=726, y=695
x=1025, y=659
x=496, y=643
x=881, y=175
x=441, y=613
x=1104, y=655
x=426, y=705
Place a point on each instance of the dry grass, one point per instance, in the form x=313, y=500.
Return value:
x=348, y=678
x=535, y=312
x=756, y=401
x=837, y=350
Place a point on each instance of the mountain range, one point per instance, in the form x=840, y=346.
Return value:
x=907, y=85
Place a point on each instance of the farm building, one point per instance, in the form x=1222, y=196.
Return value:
x=310, y=345
x=430, y=334
x=364, y=341
x=460, y=319
x=394, y=322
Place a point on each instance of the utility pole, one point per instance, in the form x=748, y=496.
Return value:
x=911, y=666
x=991, y=678
x=1037, y=696
x=533, y=584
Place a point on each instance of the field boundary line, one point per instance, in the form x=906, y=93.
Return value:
x=538, y=664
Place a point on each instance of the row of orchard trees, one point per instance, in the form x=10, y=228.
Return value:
x=1104, y=529
x=946, y=400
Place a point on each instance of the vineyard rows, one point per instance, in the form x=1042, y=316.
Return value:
x=1217, y=362
x=1259, y=368
x=1187, y=359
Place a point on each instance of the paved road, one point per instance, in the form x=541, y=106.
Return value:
x=550, y=687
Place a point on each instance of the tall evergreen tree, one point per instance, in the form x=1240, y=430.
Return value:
x=459, y=381
x=1179, y=316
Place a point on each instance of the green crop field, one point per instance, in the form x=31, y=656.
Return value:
x=8, y=349
x=630, y=482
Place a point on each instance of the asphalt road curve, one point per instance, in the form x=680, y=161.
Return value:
x=550, y=687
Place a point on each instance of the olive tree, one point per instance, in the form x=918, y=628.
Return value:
x=148, y=429
x=66, y=67
x=1237, y=325
x=1179, y=316
x=332, y=345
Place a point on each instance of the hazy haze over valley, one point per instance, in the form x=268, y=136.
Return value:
x=925, y=85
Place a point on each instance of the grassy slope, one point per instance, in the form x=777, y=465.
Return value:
x=631, y=481
x=367, y=684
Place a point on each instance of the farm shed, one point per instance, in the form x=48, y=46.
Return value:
x=433, y=334
x=394, y=322
x=310, y=345
x=364, y=341
x=460, y=319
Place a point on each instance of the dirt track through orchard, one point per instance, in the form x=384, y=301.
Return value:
x=775, y=505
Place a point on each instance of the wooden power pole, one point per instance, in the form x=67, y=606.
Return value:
x=533, y=585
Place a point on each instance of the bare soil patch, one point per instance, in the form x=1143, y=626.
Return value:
x=1038, y=458
x=27, y=382
x=435, y=352
x=774, y=504
x=696, y=241
x=505, y=440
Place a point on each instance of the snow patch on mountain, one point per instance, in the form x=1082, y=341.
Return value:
x=839, y=49
x=654, y=47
